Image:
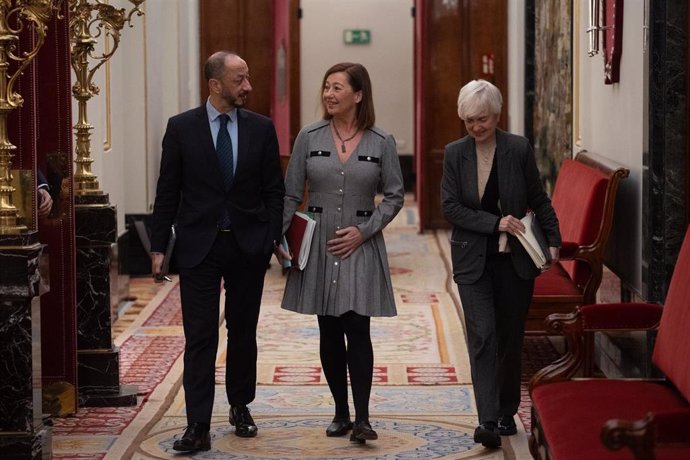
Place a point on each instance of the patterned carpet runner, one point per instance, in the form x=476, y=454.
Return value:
x=422, y=403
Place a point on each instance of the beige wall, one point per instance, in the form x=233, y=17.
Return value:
x=153, y=75
x=516, y=67
x=388, y=57
x=612, y=120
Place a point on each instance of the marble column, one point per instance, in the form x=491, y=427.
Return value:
x=98, y=360
x=23, y=432
x=665, y=165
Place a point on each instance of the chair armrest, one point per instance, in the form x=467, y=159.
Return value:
x=636, y=435
x=587, y=319
x=642, y=436
x=568, y=249
x=620, y=316
x=569, y=325
x=574, y=251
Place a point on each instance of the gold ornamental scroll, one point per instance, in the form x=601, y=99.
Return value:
x=89, y=21
x=17, y=17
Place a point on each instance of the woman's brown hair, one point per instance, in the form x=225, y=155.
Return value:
x=358, y=78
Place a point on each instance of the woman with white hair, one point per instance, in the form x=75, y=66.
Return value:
x=490, y=181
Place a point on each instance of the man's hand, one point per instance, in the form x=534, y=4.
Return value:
x=347, y=240
x=156, y=266
x=281, y=254
x=46, y=202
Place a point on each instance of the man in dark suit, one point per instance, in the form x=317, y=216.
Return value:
x=221, y=183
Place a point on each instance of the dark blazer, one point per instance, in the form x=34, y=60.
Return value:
x=191, y=193
x=41, y=179
x=520, y=188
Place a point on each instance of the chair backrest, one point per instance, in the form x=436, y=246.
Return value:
x=579, y=199
x=672, y=347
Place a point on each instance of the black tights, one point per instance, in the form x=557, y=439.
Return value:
x=337, y=358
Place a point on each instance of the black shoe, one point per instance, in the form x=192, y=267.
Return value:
x=506, y=426
x=243, y=422
x=196, y=437
x=487, y=435
x=362, y=432
x=339, y=426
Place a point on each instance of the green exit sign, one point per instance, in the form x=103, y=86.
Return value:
x=357, y=36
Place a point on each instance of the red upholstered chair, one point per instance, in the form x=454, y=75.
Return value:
x=596, y=418
x=584, y=198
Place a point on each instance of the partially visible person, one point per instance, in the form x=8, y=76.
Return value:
x=221, y=182
x=45, y=201
x=490, y=180
x=343, y=160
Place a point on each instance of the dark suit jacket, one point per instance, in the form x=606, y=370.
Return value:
x=191, y=192
x=41, y=179
x=520, y=189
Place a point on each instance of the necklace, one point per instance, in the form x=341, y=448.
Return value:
x=485, y=154
x=342, y=141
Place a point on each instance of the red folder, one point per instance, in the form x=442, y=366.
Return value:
x=298, y=238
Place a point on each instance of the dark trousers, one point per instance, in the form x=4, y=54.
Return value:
x=200, y=295
x=357, y=357
x=495, y=309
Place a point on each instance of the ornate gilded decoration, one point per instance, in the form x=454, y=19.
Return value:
x=16, y=17
x=89, y=21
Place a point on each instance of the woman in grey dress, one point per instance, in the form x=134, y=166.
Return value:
x=342, y=161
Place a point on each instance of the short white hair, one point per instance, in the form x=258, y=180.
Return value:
x=478, y=96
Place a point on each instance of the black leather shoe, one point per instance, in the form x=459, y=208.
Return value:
x=362, y=432
x=506, y=426
x=243, y=422
x=487, y=435
x=196, y=437
x=339, y=426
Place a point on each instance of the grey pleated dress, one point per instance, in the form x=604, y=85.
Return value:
x=340, y=195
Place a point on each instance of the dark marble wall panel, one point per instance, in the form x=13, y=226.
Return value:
x=20, y=354
x=96, y=227
x=665, y=169
x=552, y=110
x=16, y=400
x=93, y=294
x=19, y=274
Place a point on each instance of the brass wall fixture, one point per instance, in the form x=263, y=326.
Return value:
x=90, y=20
x=16, y=17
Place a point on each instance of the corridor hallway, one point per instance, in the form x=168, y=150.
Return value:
x=421, y=405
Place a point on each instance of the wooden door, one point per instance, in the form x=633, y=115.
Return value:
x=266, y=34
x=246, y=28
x=285, y=100
x=455, y=42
